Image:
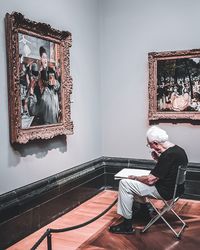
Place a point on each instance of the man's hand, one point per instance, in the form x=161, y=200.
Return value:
x=52, y=80
x=146, y=179
x=154, y=155
x=132, y=177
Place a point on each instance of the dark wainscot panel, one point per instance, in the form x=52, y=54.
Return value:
x=25, y=210
x=29, y=208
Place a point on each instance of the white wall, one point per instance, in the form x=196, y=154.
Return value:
x=110, y=74
x=37, y=160
x=129, y=30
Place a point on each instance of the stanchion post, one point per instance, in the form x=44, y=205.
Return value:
x=49, y=246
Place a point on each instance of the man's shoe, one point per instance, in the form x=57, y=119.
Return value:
x=122, y=228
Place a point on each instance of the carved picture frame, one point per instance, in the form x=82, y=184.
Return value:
x=44, y=113
x=174, y=85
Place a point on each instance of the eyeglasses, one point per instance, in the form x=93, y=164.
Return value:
x=148, y=145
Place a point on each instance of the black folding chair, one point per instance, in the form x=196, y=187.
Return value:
x=168, y=205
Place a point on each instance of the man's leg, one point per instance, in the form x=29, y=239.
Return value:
x=142, y=211
x=130, y=191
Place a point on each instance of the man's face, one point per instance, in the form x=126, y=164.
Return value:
x=153, y=145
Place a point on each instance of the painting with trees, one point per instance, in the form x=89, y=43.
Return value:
x=174, y=85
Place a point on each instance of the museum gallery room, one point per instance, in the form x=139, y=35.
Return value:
x=100, y=125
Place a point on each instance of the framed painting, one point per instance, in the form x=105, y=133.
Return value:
x=174, y=85
x=39, y=81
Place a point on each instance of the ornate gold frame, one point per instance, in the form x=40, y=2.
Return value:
x=154, y=113
x=16, y=23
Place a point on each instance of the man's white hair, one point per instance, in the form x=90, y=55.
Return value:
x=157, y=134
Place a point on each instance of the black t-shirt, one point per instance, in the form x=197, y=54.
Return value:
x=166, y=170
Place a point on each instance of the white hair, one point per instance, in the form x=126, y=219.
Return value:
x=157, y=134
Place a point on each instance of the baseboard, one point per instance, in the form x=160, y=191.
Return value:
x=25, y=210
x=29, y=208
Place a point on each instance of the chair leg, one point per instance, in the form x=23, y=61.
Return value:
x=183, y=222
x=166, y=208
x=151, y=222
x=154, y=219
x=177, y=216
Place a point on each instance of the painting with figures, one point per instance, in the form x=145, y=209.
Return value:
x=178, y=86
x=174, y=85
x=39, y=81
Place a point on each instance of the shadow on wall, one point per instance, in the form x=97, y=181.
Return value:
x=39, y=148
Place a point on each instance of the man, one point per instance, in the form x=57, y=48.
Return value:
x=158, y=184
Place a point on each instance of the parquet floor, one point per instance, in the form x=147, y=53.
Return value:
x=71, y=240
x=95, y=236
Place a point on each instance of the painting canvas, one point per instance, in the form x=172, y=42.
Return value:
x=40, y=81
x=178, y=87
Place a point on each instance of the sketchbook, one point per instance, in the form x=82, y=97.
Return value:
x=125, y=172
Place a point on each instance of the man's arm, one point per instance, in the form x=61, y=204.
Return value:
x=146, y=179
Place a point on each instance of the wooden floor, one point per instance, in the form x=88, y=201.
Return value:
x=95, y=236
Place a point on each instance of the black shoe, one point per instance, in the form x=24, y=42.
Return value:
x=122, y=228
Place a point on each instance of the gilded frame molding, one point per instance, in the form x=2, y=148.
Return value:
x=167, y=68
x=16, y=24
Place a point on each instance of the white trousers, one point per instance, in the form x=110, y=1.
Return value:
x=130, y=191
